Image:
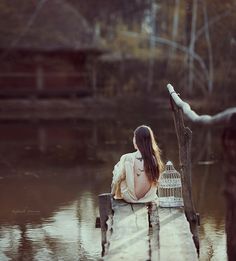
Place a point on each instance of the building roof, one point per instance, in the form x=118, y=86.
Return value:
x=44, y=25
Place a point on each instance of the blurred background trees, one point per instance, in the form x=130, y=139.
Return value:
x=193, y=40
x=149, y=43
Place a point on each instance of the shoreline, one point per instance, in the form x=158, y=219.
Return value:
x=91, y=108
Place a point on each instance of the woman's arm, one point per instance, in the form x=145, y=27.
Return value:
x=118, y=174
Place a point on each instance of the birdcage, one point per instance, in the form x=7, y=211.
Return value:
x=170, y=188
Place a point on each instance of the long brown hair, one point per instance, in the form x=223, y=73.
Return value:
x=151, y=154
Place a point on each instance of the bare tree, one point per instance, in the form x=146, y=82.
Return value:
x=175, y=26
x=209, y=47
x=192, y=45
x=188, y=19
x=152, y=44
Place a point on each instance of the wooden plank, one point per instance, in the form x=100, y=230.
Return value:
x=176, y=241
x=132, y=238
x=129, y=239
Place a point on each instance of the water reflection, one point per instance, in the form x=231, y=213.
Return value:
x=51, y=174
x=57, y=220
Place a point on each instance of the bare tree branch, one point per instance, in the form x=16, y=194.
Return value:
x=208, y=40
x=175, y=45
x=221, y=117
x=212, y=22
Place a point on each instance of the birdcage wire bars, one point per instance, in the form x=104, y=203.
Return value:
x=170, y=187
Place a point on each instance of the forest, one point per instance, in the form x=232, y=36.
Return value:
x=189, y=43
x=146, y=43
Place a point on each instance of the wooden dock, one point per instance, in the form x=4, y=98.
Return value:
x=145, y=232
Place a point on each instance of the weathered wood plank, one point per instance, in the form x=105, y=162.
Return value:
x=129, y=239
x=175, y=237
x=105, y=211
x=154, y=231
x=133, y=238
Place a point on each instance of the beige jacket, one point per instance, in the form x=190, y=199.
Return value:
x=122, y=186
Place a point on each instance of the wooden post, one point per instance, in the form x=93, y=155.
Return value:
x=42, y=139
x=39, y=74
x=184, y=136
x=227, y=117
x=229, y=145
x=105, y=210
x=121, y=82
x=39, y=78
x=154, y=231
x=230, y=227
x=94, y=78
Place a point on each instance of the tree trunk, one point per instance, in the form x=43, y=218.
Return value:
x=209, y=47
x=229, y=145
x=192, y=46
x=188, y=20
x=175, y=27
x=152, y=44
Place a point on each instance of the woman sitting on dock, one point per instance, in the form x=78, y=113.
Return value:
x=135, y=176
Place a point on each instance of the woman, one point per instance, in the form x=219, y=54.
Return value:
x=135, y=176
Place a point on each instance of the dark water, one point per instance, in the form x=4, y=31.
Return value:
x=52, y=172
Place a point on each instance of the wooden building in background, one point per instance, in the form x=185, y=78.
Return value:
x=47, y=49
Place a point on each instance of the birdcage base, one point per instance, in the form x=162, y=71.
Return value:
x=170, y=202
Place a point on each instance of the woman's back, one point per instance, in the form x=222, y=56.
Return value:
x=141, y=183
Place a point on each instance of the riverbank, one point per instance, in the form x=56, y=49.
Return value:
x=91, y=108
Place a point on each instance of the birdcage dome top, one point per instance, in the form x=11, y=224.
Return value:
x=170, y=170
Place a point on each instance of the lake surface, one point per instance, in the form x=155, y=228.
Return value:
x=52, y=172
